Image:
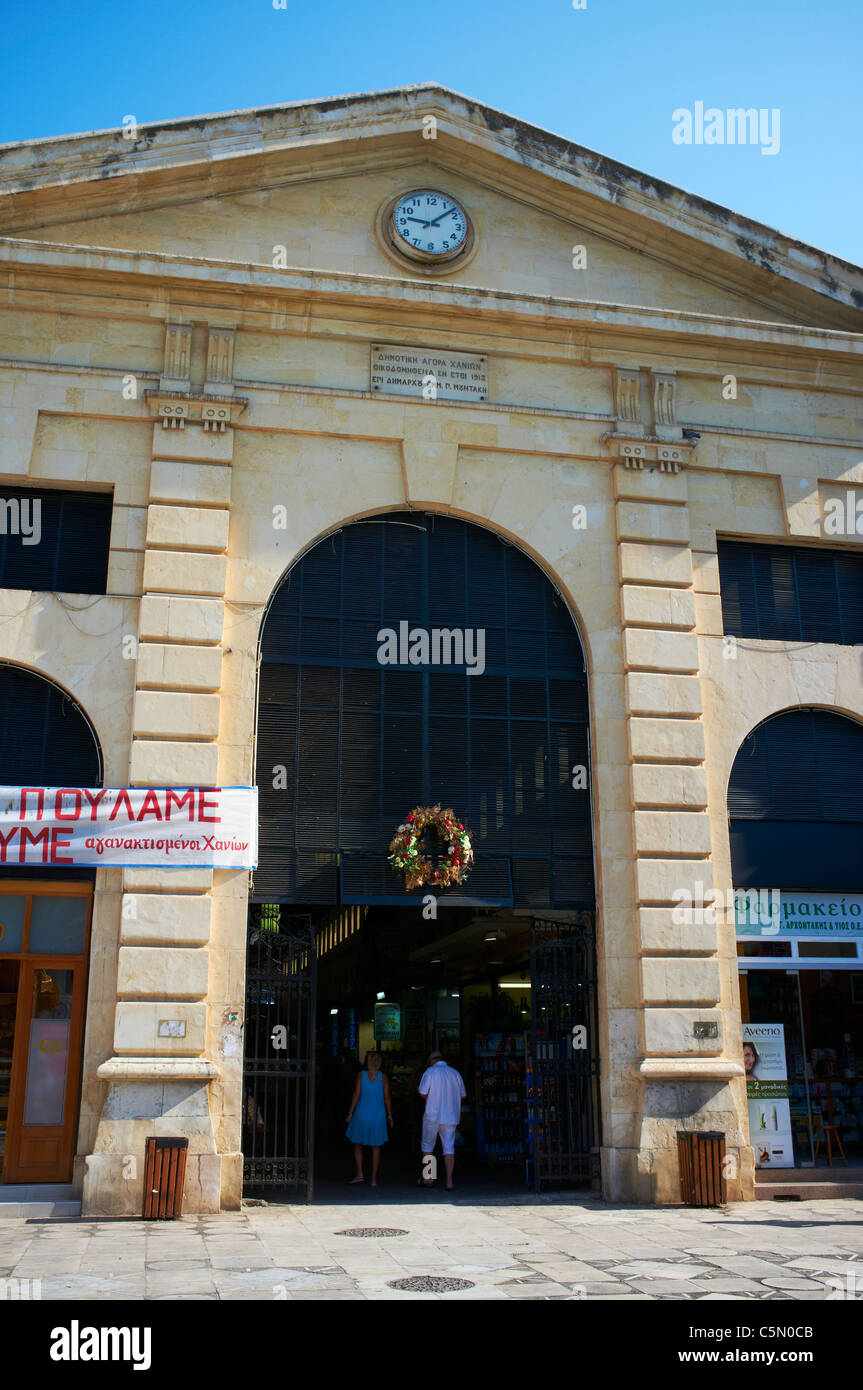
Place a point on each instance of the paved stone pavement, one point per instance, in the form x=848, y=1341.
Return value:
x=528, y=1249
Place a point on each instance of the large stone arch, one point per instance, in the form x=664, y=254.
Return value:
x=471, y=577
x=516, y=630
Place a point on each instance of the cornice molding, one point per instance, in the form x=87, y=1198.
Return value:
x=166, y=1068
x=688, y=1069
x=231, y=287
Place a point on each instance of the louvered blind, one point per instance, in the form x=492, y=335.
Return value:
x=795, y=805
x=791, y=593
x=359, y=743
x=71, y=531
x=45, y=740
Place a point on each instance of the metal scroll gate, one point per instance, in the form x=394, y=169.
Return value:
x=563, y=1068
x=279, y=1058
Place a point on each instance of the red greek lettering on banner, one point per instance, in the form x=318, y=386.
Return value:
x=203, y=805
x=187, y=797
x=59, y=841
x=59, y=813
x=39, y=793
x=150, y=806
x=94, y=800
x=122, y=796
x=44, y=835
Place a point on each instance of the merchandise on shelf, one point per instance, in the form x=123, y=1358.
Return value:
x=500, y=1097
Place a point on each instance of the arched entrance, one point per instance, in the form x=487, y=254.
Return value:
x=412, y=659
x=796, y=823
x=45, y=740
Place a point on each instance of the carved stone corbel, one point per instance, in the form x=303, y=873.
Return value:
x=627, y=400
x=220, y=363
x=665, y=424
x=177, y=361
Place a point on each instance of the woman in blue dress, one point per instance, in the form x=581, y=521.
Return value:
x=369, y=1115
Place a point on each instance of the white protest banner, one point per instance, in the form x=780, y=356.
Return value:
x=130, y=827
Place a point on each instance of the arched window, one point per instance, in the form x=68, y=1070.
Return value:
x=46, y=740
x=795, y=804
x=45, y=737
x=348, y=743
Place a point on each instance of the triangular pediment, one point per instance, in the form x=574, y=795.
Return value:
x=303, y=186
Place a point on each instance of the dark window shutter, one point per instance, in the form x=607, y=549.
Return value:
x=45, y=739
x=849, y=582
x=818, y=594
x=737, y=587
x=776, y=592
x=74, y=540
x=795, y=806
x=791, y=593
x=363, y=743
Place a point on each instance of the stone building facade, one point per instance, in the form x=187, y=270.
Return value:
x=187, y=321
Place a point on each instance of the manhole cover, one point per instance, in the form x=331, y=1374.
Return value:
x=372, y=1231
x=430, y=1283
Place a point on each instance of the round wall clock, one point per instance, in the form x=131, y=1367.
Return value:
x=429, y=226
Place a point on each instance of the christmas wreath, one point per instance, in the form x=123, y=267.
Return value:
x=410, y=858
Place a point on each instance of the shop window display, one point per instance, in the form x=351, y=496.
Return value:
x=821, y=1014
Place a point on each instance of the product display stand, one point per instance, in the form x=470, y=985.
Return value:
x=500, y=1098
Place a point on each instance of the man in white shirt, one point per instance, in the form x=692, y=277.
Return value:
x=444, y=1091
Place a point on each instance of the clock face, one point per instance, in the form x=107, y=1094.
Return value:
x=429, y=224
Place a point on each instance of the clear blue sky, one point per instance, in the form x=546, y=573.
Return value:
x=608, y=77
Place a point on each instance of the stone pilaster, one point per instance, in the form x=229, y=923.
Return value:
x=684, y=1069
x=158, y=1078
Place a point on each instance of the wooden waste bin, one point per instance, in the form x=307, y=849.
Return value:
x=164, y=1175
x=701, y=1156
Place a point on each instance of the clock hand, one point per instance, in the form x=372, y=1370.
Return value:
x=421, y=222
x=443, y=214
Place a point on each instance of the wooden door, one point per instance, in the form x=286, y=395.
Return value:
x=44, y=1077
